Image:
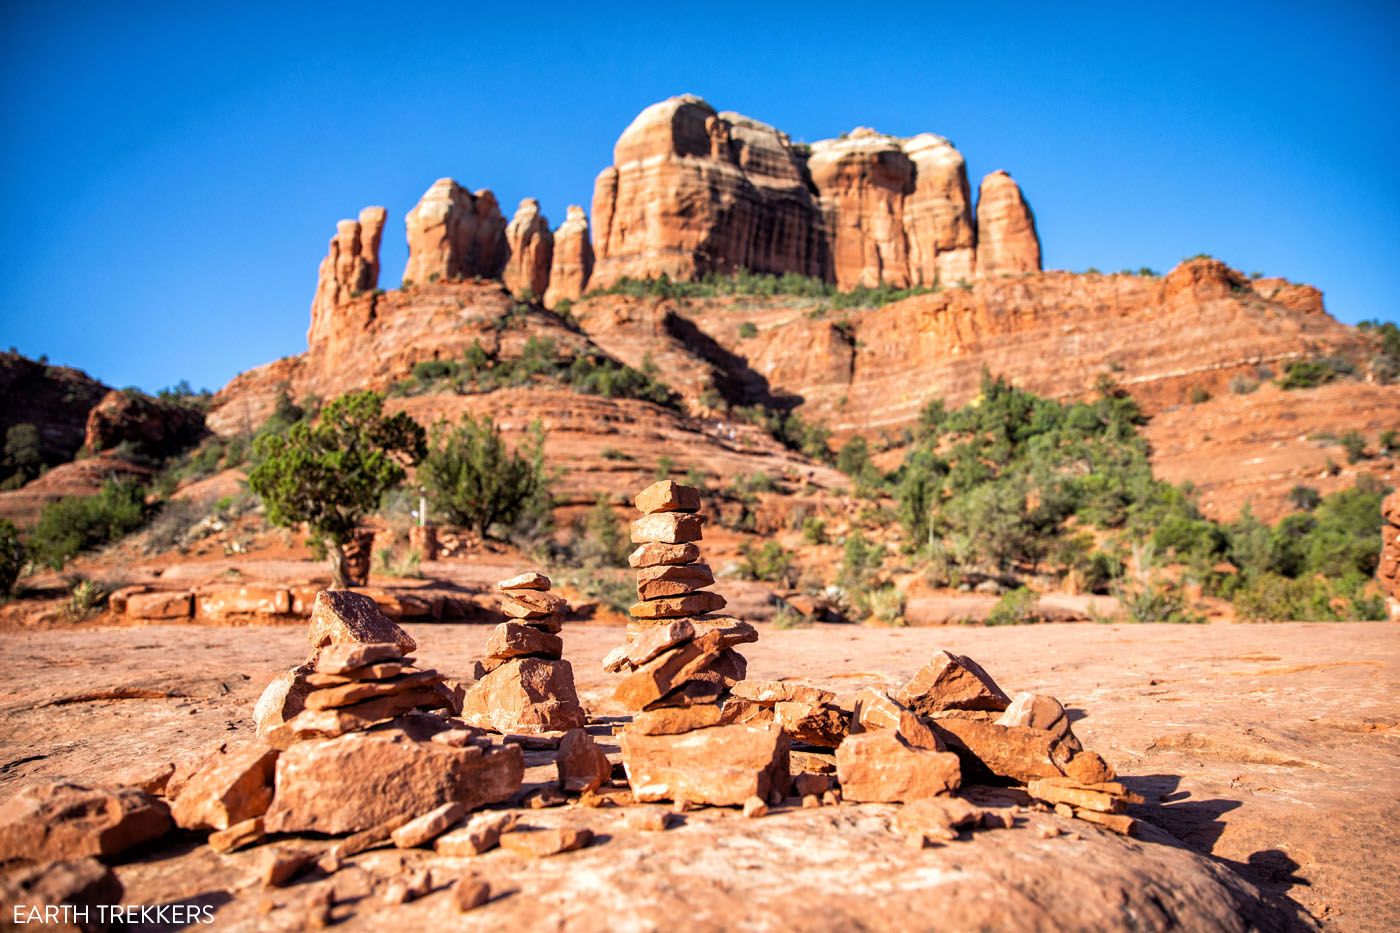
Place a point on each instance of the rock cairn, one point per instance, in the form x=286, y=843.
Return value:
x=523, y=685
x=680, y=666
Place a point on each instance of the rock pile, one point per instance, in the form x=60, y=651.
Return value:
x=680, y=666
x=524, y=685
x=362, y=739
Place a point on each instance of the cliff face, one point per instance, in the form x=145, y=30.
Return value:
x=454, y=234
x=572, y=264
x=351, y=267
x=693, y=191
x=55, y=399
x=1007, y=243
x=529, y=251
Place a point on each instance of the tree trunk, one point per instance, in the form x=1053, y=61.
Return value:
x=340, y=580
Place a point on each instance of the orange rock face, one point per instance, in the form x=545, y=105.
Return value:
x=530, y=251
x=1007, y=243
x=692, y=191
x=572, y=264
x=351, y=267
x=1389, y=570
x=454, y=234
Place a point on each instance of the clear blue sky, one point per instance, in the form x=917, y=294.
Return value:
x=171, y=172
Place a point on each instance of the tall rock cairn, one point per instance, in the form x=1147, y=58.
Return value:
x=523, y=685
x=680, y=664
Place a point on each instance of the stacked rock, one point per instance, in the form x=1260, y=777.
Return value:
x=680, y=664
x=356, y=676
x=523, y=685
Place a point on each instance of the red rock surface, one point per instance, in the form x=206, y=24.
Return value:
x=79, y=478
x=157, y=428
x=55, y=399
x=1301, y=718
x=1388, y=572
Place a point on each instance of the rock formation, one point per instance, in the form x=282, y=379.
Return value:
x=1388, y=571
x=523, y=685
x=1007, y=243
x=681, y=664
x=156, y=428
x=530, y=251
x=693, y=191
x=454, y=234
x=862, y=180
x=938, y=214
x=573, y=259
x=53, y=401
x=351, y=268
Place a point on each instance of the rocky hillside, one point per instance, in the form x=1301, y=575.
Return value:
x=851, y=281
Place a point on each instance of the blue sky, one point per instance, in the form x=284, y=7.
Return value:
x=170, y=175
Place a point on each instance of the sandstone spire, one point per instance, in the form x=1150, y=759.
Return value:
x=938, y=213
x=862, y=180
x=1007, y=243
x=530, y=250
x=573, y=259
x=454, y=234
x=351, y=267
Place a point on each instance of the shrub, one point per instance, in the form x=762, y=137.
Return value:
x=813, y=530
x=1308, y=374
x=328, y=475
x=789, y=618
x=23, y=457
x=11, y=557
x=769, y=562
x=1199, y=394
x=1354, y=445
x=599, y=540
x=1304, y=498
x=79, y=523
x=1157, y=601
x=473, y=479
x=1387, y=442
x=1015, y=607
x=885, y=605
x=86, y=597
x=1243, y=385
x=748, y=330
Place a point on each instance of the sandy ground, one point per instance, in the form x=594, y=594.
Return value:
x=1272, y=749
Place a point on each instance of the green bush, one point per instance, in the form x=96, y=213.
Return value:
x=599, y=539
x=79, y=523
x=813, y=530
x=748, y=330
x=330, y=474
x=1199, y=395
x=1015, y=607
x=771, y=562
x=23, y=456
x=1305, y=498
x=1355, y=446
x=1308, y=374
x=11, y=557
x=473, y=479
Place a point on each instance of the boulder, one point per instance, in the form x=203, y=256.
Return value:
x=573, y=259
x=581, y=763
x=951, y=681
x=231, y=787
x=69, y=821
x=1037, y=711
x=656, y=554
x=526, y=695
x=1007, y=242
x=361, y=780
x=282, y=699
x=1015, y=752
x=161, y=604
x=673, y=580
x=667, y=671
x=350, y=269
x=720, y=765
x=668, y=528
x=346, y=616
x=529, y=252
x=530, y=580
x=672, y=607
x=156, y=428
x=83, y=885
x=814, y=724
x=667, y=496
x=879, y=767
x=513, y=640
x=426, y=828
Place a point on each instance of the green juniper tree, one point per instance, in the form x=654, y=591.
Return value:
x=328, y=474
